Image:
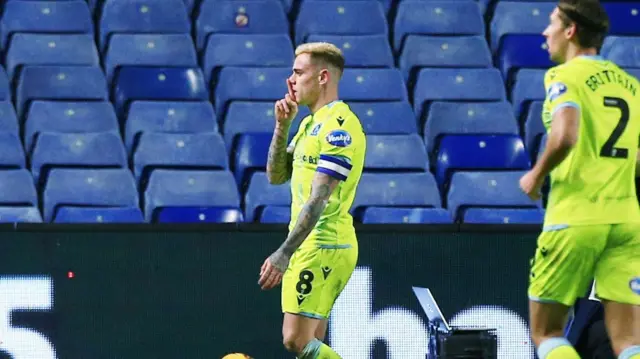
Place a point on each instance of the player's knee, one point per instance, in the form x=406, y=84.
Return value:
x=295, y=342
x=621, y=342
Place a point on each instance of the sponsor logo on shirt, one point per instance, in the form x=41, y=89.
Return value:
x=339, y=138
x=556, y=90
x=634, y=284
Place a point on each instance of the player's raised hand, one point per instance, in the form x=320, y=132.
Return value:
x=286, y=109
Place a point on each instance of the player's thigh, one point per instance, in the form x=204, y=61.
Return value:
x=303, y=284
x=617, y=272
x=337, y=270
x=564, y=262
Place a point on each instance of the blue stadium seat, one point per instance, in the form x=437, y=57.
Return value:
x=437, y=18
x=340, y=18
x=201, y=151
x=88, y=188
x=479, y=153
x=624, y=51
x=262, y=196
x=248, y=50
x=384, y=215
x=503, y=216
x=528, y=87
x=151, y=50
x=157, y=84
x=91, y=150
x=178, y=188
x=168, y=117
x=8, y=118
x=50, y=49
x=634, y=72
x=99, y=215
x=470, y=118
x=461, y=85
x=517, y=17
x=142, y=17
x=20, y=215
x=17, y=188
x=623, y=18
x=276, y=214
x=443, y=51
x=385, y=118
x=68, y=117
x=5, y=89
x=60, y=17
x=11, y=152
x=396, y=190
x=395, y=153
x=533, y=127
x=196, y=214
x=250, y=155
x=360, y=50
x=522, y=51
x=59, y=83
x=372, y=85
x=487, y=190
x=249, y=84
x=239, y=17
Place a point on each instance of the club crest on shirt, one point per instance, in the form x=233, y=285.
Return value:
x=556, y=90
x=339, y=138
x=315, y=130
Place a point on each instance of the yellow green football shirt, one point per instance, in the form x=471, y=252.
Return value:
x=331, y=141
x=595, y=183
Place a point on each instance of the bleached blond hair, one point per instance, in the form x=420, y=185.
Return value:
x=323, y=52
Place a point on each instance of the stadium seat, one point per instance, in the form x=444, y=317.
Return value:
x=436, y=18
x=11, y=152
x=68, y=117
x=157, y=84
x=262, y=197
x=385, y=118
x=249, y=84
x=5, y=89
x=150, y=50
x=276, y=214
x=20, y=215
x=59, y=17
x=59, y=83
x=533, y=127
x=503, y=216
x=634, y=72
x=486, y=190
x=200, y=215
x=443, y=51
x=254, y=118
x=469, y=118
x=248, y=50
x=518, y=17
x=99, y=215
x=340, y=18
x=396, y=153
x=201, y=151
x=250, y=155
x=90, y=150
x=522, y=51
x=623, y=18
x=368, y=51
x=460, y=85
x=8, y=118
x=528, y=87
x=624, y=51
x=384, y=215
x=168, y=117
x=372, y=85
x=178, y=188
x=88, y=188
x=61, y=50
x=142, y=17
x=479, y=152
x=17, y=189
x=396, y=190
x=239, y=17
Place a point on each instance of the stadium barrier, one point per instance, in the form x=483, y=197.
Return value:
x=177, y=291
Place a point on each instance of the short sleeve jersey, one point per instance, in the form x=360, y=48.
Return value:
x=595, y=183
x=331, y=141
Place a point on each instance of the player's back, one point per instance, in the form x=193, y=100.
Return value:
x=595, y=183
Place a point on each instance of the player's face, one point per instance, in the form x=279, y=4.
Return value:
x=557, y=41
x=305, y=80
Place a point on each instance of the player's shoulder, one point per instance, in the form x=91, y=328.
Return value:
x=560, y=73
x=340, y=117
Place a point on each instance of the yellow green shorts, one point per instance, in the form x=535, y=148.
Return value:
x=569, y=258
x=315, y=278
